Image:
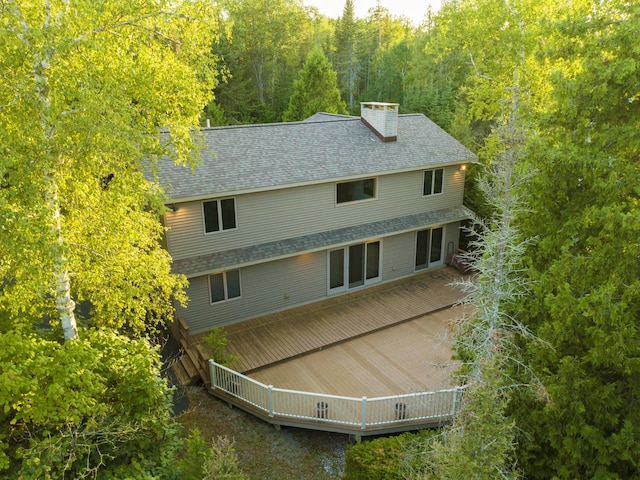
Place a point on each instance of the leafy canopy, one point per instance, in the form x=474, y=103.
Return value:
x=87, y=88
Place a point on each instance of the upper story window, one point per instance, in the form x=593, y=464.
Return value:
x=433, y=180
x=356, y=190
x=224, y=286
x=219, y=215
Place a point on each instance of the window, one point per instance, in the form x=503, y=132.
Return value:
x=224, y=286
x=353, y=266
x=433, y=180
x=356, y=190
x=429, y=248
x=219, y=215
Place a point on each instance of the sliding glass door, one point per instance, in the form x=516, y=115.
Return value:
x=354, y=266
x=429, y=244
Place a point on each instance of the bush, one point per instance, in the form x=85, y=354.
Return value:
x=217, y=341
x=387, y=458
x=95, y=407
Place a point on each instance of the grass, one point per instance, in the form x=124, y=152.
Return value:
x=264, y=452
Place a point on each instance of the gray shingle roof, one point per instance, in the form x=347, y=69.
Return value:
x=322, y=148
x=318, y=241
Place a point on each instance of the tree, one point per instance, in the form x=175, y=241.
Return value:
x=346, y=54
x=315, y=90
x=482, y=440
x=87, y=88
x=266, y=45
x=93, y=408
x=585, y=299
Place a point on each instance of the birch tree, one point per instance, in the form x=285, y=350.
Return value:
x=87, y=86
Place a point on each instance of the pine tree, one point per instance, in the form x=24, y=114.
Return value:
x=315, y=90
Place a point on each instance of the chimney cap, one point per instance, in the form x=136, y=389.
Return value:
x=379, y=104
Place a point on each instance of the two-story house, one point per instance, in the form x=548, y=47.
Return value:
x=285, y=214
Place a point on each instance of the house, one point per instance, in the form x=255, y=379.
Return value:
x=280, y=215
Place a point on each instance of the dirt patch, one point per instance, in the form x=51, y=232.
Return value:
x=264, y=452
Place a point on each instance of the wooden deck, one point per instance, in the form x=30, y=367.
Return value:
x=412, y=356
x=282, y=336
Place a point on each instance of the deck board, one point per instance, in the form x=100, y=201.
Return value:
x=277, y=337
x=410, y=357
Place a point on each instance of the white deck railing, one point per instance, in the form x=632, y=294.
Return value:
x=348, y=413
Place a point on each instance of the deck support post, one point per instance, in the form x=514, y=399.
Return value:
x=364, y=413
x=270, y=400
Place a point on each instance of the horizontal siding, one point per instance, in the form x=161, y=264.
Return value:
x=397, y=261
x=265, y=288
x=286, y=283
x=279, y=214
x=452, y=234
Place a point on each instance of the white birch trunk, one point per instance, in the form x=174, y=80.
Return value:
x=64, y=304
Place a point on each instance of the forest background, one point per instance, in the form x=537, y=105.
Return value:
x=569, y=70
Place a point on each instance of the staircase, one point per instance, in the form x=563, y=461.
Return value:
x=193, y=365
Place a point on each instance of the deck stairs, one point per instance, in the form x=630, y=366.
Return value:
x=191, y=367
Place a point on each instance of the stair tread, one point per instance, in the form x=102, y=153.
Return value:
x=181, y=375
x=188, y=366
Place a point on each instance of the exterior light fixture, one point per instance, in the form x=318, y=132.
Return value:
x=173, y=207
x=463, y=167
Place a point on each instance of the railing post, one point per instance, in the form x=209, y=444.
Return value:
x=270, y=400
x=212, y=373
x=456, y=399
x=364, y=413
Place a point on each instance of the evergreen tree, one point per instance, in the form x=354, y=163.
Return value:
x=347, y=66
x=586, y=291
x=315, y=90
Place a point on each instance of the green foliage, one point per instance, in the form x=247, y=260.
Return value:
x=584, y=300
x=388, y=458
x=222, y=463
x=86, y=91
x=93, y=407
x=266, y=43
x=315, y=90
x=191, y=467
x=217, y=341
x=217, y=462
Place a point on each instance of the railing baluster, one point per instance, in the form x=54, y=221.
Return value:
x=364, y=413
x=361, y=413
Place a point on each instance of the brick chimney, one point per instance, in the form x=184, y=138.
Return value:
x=381, y=118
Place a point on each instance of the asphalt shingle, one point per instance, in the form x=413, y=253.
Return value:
x=322, y=148
x=293, y=246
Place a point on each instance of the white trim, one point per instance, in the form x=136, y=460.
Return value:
x=345, y=279
x=433, y=180
x=220, y=219
x=430, y=265
x=351, y=202
x=224, y=286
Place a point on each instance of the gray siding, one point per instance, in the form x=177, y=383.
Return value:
x=397, y=259
x=267, y=287
x=285, y=283
x=291, y=212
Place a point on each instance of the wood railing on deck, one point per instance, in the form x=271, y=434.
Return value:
x=359, y=416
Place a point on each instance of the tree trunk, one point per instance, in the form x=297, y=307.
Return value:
x=51, y=160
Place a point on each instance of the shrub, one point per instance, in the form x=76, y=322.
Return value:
x=387, y=458
x=217, y=341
